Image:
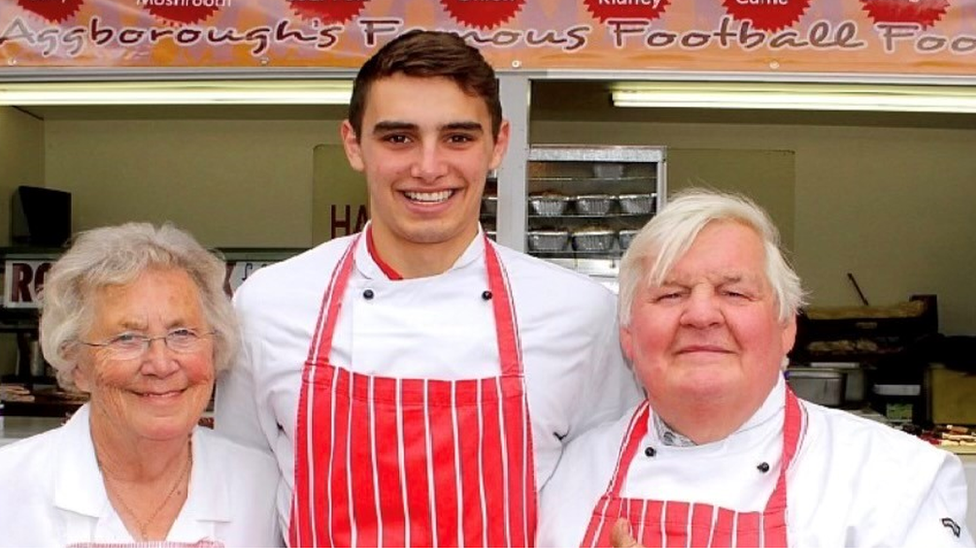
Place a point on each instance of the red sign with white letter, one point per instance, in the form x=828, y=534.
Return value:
x=769, y=37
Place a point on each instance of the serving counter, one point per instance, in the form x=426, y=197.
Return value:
x=14, y=428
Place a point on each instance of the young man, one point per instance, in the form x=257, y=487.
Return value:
x=417, y=382
x=722, y=454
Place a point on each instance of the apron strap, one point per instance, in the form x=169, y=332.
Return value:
x=744, y=527
x=628, y=448
x=506, y=325
x=792, y=426
x=331, y=304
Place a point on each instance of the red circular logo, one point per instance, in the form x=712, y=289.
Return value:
x=923, y=12
x=482, y=14
x=193, y=12
x=620, y=9
x=327, y=11
x=771, y=15
x=55, y=11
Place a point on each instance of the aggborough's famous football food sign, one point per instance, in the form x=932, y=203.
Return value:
x=915, y=37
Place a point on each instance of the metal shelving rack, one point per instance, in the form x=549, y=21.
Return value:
x=576, y=172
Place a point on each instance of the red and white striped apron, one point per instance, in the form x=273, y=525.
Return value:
x=413, y=462
x=656, y=523
x=202, y=544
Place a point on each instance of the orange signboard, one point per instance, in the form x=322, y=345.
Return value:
x=887, y=37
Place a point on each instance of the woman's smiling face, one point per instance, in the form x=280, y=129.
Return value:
x=160, y=394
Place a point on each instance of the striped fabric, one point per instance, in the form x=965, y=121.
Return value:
x=397, y=462
x=656, y=523
x=201, y=543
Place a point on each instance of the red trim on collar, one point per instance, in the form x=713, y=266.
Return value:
x=390, y=272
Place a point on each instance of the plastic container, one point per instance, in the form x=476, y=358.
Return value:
x=855, y=381
x=900, y=403
x=824, y=386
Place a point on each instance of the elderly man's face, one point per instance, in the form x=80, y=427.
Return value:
x=160, y=394
x=710, y=331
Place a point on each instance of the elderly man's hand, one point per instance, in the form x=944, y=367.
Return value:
x=620, y=536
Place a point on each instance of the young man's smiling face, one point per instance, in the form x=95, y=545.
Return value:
x=425, y=148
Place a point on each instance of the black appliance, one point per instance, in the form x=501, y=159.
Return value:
x=40, y=216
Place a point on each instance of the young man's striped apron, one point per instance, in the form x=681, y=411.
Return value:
x=413, y=462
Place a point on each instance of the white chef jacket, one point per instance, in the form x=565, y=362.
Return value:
x=437, y=327
x=853, y=482
x=52, y=493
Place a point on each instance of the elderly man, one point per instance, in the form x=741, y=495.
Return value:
x=722, y=453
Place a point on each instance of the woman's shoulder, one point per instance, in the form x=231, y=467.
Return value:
x=244, y=483
x=233, y=457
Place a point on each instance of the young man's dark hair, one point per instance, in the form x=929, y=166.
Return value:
x=424, y=54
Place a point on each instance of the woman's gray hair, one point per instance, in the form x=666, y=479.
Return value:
x=665, y=239
x=117, y=255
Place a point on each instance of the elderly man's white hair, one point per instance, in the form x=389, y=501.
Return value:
x=665, y=238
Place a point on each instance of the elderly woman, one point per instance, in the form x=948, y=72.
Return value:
x=137, y=317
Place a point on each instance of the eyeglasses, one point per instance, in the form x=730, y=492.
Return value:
x=127, y=346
